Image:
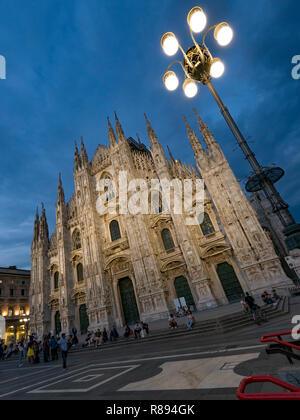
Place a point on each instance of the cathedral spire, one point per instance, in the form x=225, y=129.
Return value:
x=43, y=227
x=206, y=133
x=77, y=157
x=151, y=133
x=170, y=153
x=138, y=139
x=119, y=129
x=36, y=226
x=60, y=192
x=200, y=154
x=84, y=156
x=111, y=134
x=195, y=142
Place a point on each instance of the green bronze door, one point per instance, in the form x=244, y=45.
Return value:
x=129, y=305
x=230, y=282
x=84, y=319
x=183, y=290
x=57, y=323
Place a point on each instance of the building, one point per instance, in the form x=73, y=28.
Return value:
x=14, y=301
x=97, y=270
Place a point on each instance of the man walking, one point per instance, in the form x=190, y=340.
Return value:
x=63, y=343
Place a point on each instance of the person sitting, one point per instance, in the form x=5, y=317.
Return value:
x=137, y=331
x=172, y=322
x=275, y=296
x=266, y=298
x=245, y=306
x=145, y=327
x=190, y=320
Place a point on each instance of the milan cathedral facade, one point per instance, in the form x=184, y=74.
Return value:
x=98, y=270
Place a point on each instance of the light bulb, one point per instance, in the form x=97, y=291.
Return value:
x=223, y=34
x=217, y=68
x=190, y=88
x=169, y=44
x=197, y=19
x=171, y=81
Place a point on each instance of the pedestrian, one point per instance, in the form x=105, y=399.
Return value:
x=11, y=350
x=127, y=331
x=53, y=347
x=20, y=353
x=75, y=339
x=63, y=343
x=70, y=342
x=46, y=349
x=104, y=335
x=36, y=349
x=137, y=331
x=98, y=338
x=113, y=334
x=30, y=352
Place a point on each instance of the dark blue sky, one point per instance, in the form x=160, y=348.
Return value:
x=71, y=63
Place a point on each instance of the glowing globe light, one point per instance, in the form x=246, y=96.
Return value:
x=217, y=68
x=197, y=20
x=171, y=81
x=190, y=88
x=169, y=44
x=223, y=34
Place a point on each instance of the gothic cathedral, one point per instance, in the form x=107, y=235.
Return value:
x=98, y=270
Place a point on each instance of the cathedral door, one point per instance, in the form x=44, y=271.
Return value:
x=230, y=282
x=128, y=299
x=183, y=290
x=84, y=319
x=57, y=323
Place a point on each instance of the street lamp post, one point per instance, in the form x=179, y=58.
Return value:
x=200, y=66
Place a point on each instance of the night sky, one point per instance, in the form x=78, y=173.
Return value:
x=71, y=63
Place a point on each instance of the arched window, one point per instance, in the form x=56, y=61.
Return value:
x=22, y=310
x=114, y=228
x=167, y=239
x=79, y=270
x=56, y=280
x=10, y=311
x=76, y=240
x=206, y=226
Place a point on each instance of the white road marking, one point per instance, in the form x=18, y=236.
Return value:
x=88, y=378
x=204, y=353
x=42, y=390
x=194, y=374
x=207, y=353
x=38, y=383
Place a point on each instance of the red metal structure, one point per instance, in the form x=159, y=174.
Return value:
x=291, y=393
x=279, y=346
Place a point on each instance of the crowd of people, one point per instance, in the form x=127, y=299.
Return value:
x=248, y=303
x=33, y=349
x=182, y=312
x=100, y=337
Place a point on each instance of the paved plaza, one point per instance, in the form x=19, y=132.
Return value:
x=190, y=367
